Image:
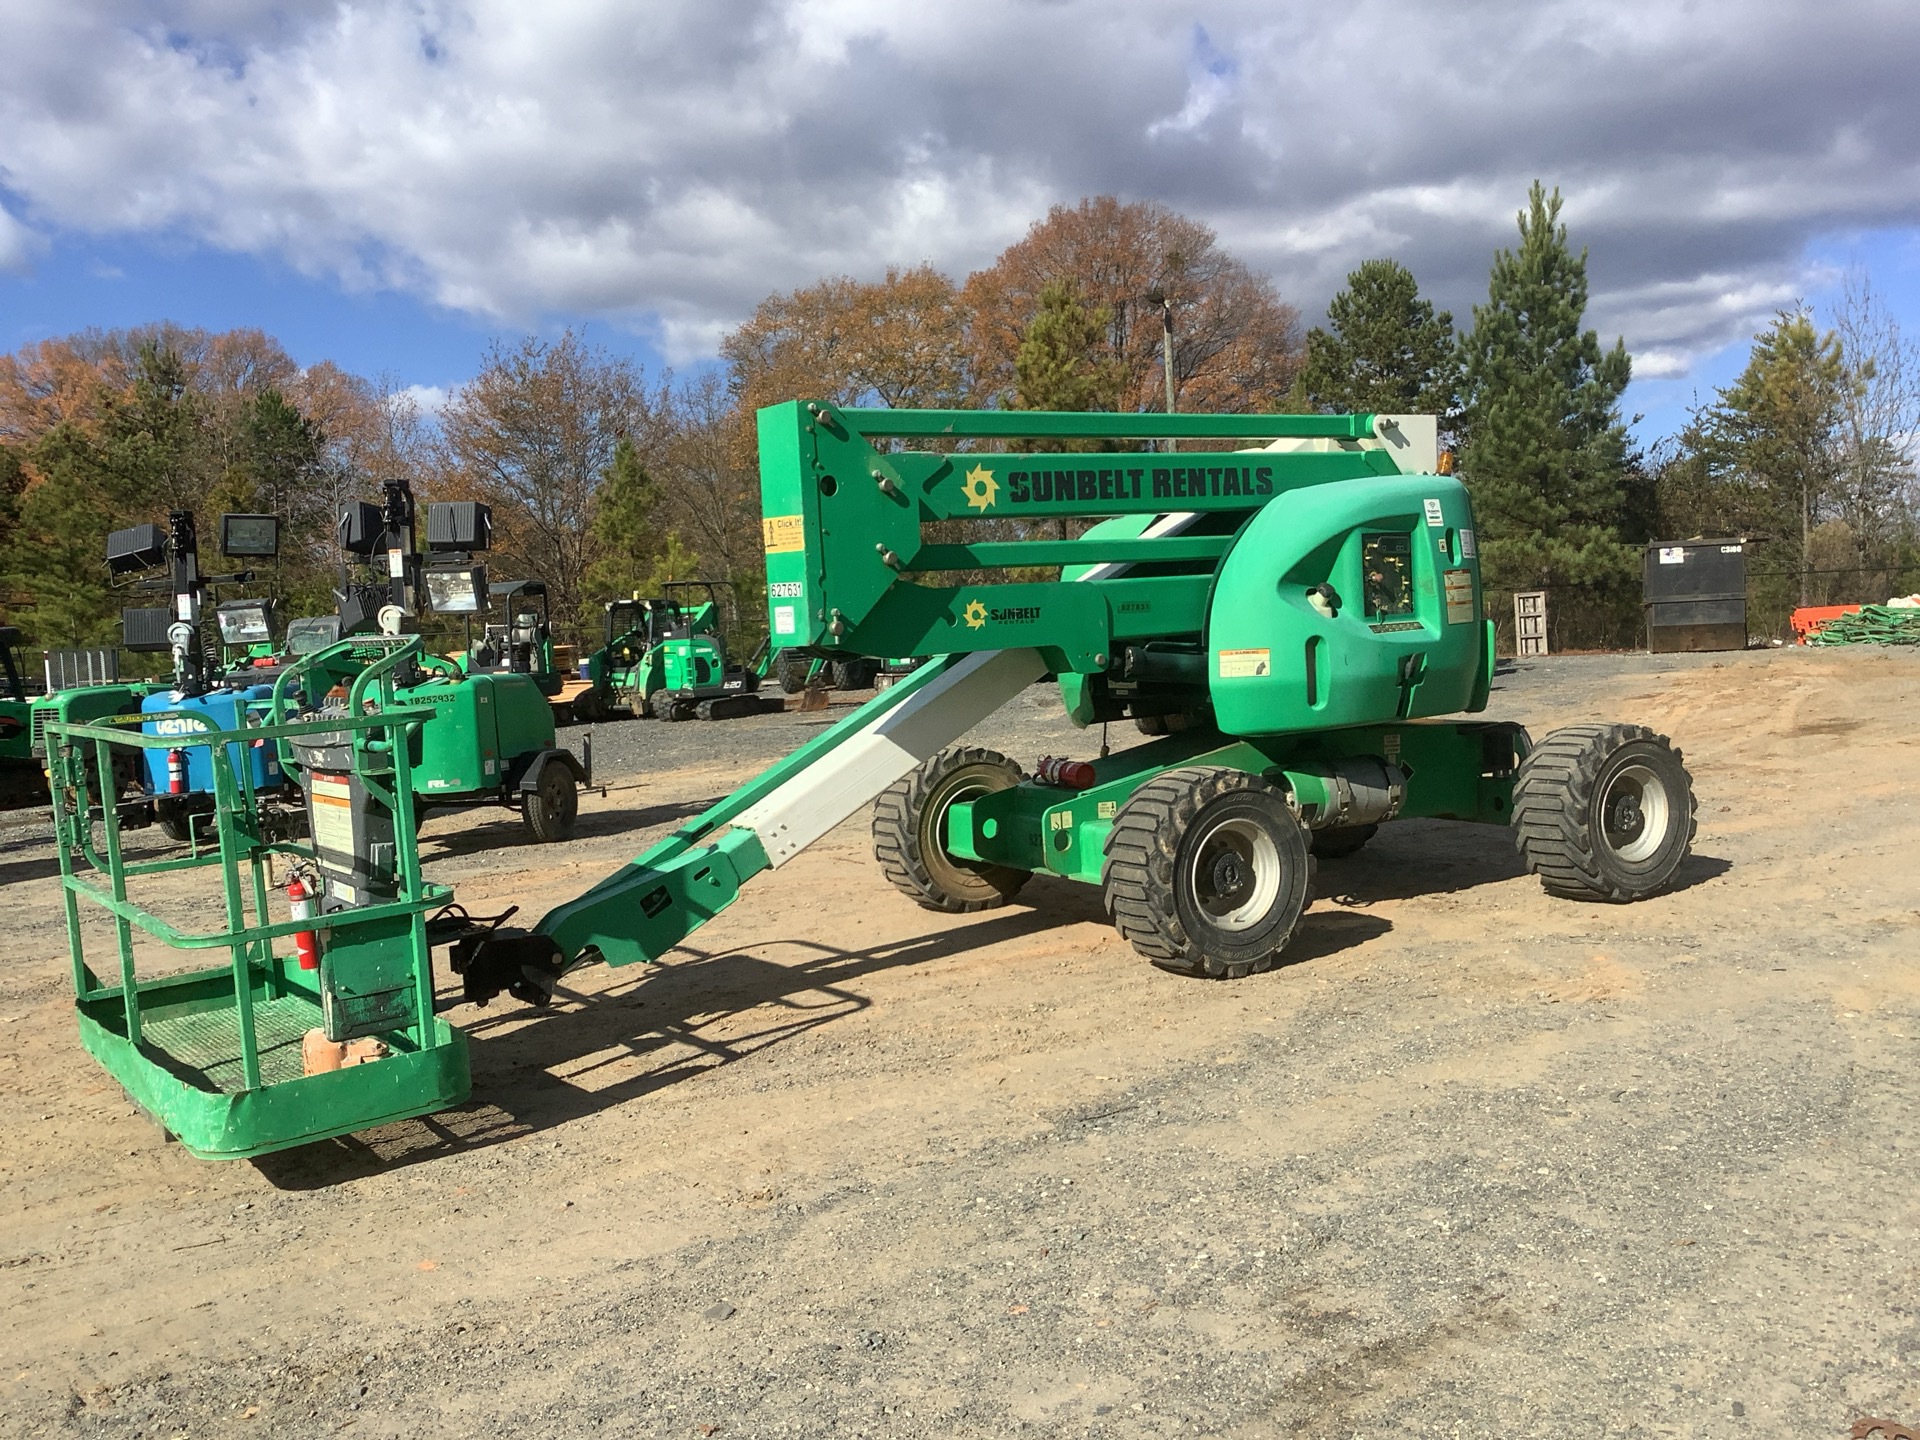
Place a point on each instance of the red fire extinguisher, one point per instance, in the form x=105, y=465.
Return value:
x=176, y=772
x=1067, y=774
x=305, y=943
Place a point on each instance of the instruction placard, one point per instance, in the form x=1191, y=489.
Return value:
x=1436, y=518
x=1459, y=597
x=784, y=534
x=1239, y=664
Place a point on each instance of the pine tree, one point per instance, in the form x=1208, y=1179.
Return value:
x=150, y=455
x=622, y=533
x=1546, y=453
x=63, y=523
x=1059, y=365
x=1775, y=433
x=1385, y=350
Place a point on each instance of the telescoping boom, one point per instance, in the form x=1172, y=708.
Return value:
x=1290, y=609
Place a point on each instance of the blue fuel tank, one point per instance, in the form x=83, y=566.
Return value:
x=226, y=708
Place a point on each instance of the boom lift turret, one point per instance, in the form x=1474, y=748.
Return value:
x=1297, y=617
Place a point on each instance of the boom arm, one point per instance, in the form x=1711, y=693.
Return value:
x=654, y=903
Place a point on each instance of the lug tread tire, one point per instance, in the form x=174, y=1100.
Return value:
x=853, y=674
x=896, y=836
x=551, y=810
x=790, y=671
x=1553, y=798
x=1138, y=878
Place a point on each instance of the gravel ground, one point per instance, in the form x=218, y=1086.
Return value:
x=1475, y=1163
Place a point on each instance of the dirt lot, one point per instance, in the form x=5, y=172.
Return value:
x=1478, y=1162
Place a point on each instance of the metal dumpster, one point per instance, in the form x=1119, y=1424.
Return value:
x=1695, y=595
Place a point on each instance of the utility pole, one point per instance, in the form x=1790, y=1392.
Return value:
x=1165, y=302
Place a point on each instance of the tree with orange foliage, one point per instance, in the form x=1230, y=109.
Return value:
x=899, y=341
x=1236, y=343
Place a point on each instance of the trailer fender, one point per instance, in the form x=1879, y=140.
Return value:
x=530, y=781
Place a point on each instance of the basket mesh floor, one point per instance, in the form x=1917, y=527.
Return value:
x=205, y=1047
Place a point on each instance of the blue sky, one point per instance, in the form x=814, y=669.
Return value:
x=391, y=183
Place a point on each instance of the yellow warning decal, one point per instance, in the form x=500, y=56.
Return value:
x=1459, y=585
x=1238, y=664
x=784, y=534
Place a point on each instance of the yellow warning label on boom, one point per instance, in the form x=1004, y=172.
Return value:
x=784, y=533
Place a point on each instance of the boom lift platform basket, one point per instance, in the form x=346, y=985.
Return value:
x=219, y=1055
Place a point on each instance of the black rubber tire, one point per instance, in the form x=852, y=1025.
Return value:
x=666, y=705
x=854, y=674
x=909, y=827
x=1151, y=880
x=790, y=669
x=1561, y=799
x=590, y=708
x=1339, y=841
x=174, y=819
x=551, y=809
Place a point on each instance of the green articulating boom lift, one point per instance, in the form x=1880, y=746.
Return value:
x=1308, y=613
x=1298, y=618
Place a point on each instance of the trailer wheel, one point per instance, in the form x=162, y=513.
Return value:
x=174, y=818
x=1603, y=812
x=551, y=807
x=1208, y=872
x=589, y=708
x=1339, y=841
x=790, y=669
x=910, y=827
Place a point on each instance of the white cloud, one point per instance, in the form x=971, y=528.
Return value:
x=19, y=246
x=427, y=400
x=667, y=165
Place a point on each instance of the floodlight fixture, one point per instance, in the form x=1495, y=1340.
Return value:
x=459, y=526
x=245, y=622
x=459, y=591
x=139, y=547
x=253, y=537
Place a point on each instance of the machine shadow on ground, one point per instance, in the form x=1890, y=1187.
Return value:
x=592, y=825
x=1416, y=859
x=536, y=1069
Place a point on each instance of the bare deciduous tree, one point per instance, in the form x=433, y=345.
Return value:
x=533, y=434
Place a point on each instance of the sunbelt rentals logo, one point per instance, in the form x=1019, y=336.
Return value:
x=977, y=614
x=980, y=488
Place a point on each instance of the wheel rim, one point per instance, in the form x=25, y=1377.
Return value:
x=933, y=835
x=1634, y=813
x=1235, y=875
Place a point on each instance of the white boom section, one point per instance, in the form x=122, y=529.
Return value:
x=810, y=804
